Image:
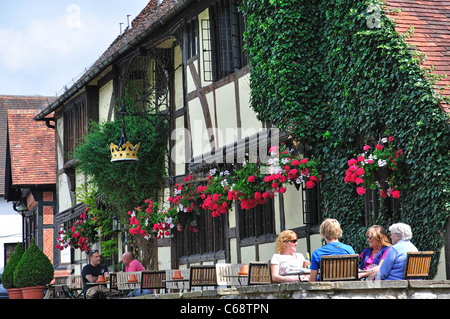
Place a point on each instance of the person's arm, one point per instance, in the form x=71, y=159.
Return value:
x=91, y=278
x=313, y=275
x=387, y=264
x=275, y=268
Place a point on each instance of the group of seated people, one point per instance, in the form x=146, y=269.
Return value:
x=381, y=260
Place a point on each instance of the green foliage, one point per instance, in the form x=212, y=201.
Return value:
x=8, y=272
x=324, y=72
x=34, y=269
x=101, y=218
x=125, y=185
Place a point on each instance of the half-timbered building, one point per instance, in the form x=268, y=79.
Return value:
x=190, y=57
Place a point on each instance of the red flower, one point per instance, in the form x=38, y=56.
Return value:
x=251, y=179
x=395, y=194
x=360, y=190
x=295, y=162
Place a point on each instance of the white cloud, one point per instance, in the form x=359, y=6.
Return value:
x=67, y=36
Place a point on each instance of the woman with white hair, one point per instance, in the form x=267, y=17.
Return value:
x=393, y=267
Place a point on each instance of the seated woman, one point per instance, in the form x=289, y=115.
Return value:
x=393, y=267
x=286, y=260
x=373, y=257
x=331, y=231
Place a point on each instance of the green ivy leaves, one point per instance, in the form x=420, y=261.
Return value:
x=320, y=71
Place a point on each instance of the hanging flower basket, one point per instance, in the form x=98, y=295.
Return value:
x=81, y=235
x=377, y=168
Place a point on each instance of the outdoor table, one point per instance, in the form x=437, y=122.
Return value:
x=177, y=281
x=302, y=272
x=239, y=277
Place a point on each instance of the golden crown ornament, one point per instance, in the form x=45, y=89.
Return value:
x=126, y=152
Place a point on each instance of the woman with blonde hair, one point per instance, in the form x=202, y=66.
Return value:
x=286, y=260
x=373, y=256
x=331, y=231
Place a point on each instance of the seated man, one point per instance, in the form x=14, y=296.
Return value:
x=90, y=274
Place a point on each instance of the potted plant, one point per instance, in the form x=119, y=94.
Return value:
x=33, y=273
x=8, y=273
x=377, y=168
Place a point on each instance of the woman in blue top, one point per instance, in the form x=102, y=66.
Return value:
x=331, y=231
x=393, y=267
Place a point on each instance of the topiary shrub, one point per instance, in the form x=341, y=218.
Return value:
x=8, y=273
x=34, y=269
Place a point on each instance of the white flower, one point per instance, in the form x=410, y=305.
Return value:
x=224, y=183
x=384, y=140
x=212, y=171
x=381, y=163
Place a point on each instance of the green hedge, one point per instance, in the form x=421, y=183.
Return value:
x=326, y=73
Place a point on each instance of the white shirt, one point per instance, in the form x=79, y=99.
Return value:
x=288, y=263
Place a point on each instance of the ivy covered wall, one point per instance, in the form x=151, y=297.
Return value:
x=334, y=74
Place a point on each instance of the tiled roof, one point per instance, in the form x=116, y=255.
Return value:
x=431, y=22
x=15, y=102
x=32, y=148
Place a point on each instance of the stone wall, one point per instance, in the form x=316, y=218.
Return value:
x=401, y=289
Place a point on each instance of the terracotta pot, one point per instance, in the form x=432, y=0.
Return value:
x=15, y=293
x=244, y=270
x=132, y=278
x=177, y=275
x=33, y=292
x=101, y=278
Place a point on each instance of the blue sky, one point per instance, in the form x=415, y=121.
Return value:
x=45, y=44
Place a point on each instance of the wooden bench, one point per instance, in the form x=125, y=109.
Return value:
x=339, y=267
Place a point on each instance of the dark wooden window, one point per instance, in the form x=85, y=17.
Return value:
x=210, y=237
x=311, y=205
x=227, y=28
x=75, y=127
x=192, y=41
x=258, y=221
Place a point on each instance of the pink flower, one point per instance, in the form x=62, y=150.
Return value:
x=310, y=184
x=366, y=147
x=360, y=190
x=390, y=138
x=304, y=161
x=395, y=194
x=295, y=162
x=251, y=179
x=379, y=147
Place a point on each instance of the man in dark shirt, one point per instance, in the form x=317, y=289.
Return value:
x=90, y=274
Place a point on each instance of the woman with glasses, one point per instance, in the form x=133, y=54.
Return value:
x=331, y=231
x=373, y=256
x=286, y=260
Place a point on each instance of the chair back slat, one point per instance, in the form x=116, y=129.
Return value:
x=203, y=276
x=259, y=273
x=417, y=264
x=339, y=267
x=153, y=279
x=228, y=275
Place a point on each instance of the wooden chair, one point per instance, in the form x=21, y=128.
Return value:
x=228, y=275
x=201, y=276
x=259, y=273
x=76, y=286
x=113, y=288
x=176, y=286
x=153, y=280
x=339, y=267
x=418, y=264
x=60, y=287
